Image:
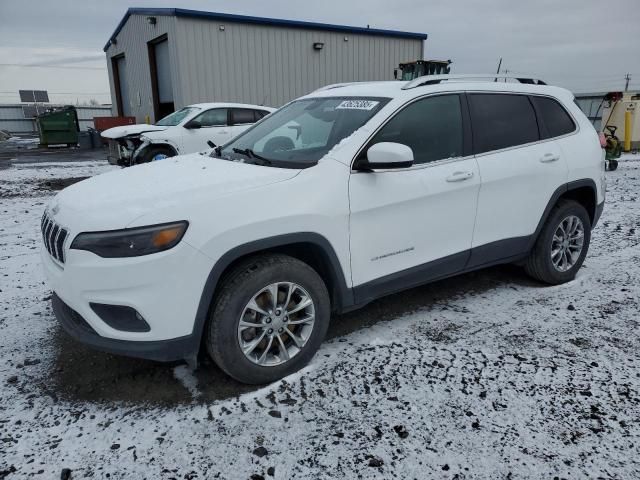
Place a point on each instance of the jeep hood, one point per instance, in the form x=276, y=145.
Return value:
x=116, y=199
x=123, y=131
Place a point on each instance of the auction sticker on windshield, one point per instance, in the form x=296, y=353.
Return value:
x=357, y=105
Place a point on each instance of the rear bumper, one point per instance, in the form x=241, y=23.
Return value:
x=182, y=348
x=598, y=214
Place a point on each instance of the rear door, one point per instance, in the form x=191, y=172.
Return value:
x=241, y=119
x=519, y=171
x=410, y=225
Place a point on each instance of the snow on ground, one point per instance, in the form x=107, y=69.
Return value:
x=489, y=375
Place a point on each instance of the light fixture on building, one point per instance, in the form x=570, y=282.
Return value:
x=221, y=27
x=151, y=20
x=318, y=46
x=346, y=39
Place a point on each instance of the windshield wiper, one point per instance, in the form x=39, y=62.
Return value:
x=216, y=148
x=247, y=152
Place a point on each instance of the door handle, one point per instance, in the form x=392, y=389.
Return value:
x=549, y=157
x=459, y=176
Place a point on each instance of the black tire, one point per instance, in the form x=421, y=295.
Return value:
x=539, y=264
x=236, y=290
x=151, y=152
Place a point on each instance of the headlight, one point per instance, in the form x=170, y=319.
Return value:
x=131, y=242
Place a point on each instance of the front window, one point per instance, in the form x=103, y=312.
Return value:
x=431, y=127
x=216, y=117
x=175, y=118
x=302, y=132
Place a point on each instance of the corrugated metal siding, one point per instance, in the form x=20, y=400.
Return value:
x=132, y=41
x=250, y=63
x=274, y=64
x=12, y=119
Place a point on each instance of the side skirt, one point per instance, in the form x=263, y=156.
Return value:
x=503, y=251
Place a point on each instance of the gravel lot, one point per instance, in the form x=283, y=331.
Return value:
x=488, y=375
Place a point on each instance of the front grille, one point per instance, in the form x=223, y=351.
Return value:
x=53, y=236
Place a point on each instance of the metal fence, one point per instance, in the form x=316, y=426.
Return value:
x=12, y=117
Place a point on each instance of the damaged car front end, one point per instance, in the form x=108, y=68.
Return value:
x=126, y=151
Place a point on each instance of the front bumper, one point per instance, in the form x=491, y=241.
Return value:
x=113, y=153
x=162, y=350
x=165, y=288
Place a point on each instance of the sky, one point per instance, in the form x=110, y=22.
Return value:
x=583, y=45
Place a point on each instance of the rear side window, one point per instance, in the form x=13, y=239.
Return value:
x=501, y=121
x=431, y=127
x=261, y=113
x=242, y=115
x=555, y=119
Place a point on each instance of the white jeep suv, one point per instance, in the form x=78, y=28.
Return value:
x=340, y=197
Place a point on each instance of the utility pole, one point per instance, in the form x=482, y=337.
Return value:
x=627, y=77
x=498, y=72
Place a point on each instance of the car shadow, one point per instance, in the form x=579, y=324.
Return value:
x=79, y=374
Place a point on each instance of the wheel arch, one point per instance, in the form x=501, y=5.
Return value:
x=164, y=144
x=583, y=191
x=311, y=248
x=144, y=148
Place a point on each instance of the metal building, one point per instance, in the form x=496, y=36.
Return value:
x=160, y=59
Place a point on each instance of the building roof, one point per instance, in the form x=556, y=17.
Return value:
x=181, y=12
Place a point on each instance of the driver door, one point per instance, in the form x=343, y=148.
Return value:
x=410, y=225
x=210, y=125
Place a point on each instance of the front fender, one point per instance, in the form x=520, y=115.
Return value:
x=344, y=294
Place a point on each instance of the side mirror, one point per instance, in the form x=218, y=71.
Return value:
x=387, y=155
x=192, y=125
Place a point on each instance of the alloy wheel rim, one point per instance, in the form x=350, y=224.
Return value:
x=276, y=324
x=567, y=243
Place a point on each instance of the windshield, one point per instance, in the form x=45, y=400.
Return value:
x=302, y=132
x=175, y=118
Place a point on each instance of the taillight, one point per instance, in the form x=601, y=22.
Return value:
x=603, y=139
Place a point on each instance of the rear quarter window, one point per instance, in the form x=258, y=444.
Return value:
x=502, y=120
x=555, y=119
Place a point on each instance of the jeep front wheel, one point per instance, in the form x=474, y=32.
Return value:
x=154, y=153
x=269, y=319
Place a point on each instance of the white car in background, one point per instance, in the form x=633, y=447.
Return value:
x=187, y=130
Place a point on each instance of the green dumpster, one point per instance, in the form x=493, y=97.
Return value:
x=58, y=126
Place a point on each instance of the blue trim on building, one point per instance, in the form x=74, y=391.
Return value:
x=181, y=12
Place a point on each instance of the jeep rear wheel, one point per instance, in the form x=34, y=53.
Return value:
x=562, y=244
x=269, y=319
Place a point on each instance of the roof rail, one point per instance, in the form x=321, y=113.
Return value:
x=335, y=85
x=435, y=79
